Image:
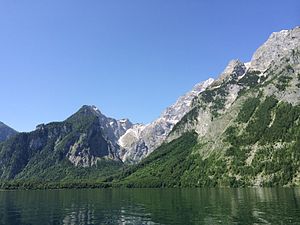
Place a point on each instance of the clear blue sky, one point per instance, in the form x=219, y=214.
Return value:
x=130, y=58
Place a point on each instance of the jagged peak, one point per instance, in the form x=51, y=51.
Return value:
x=234, y=66
x=125, y=121
x=90, y=109
x=234, y=69
x=203, y=85
x=278, y=45
x=184, y=102
x=141, y=140
x=86, y=111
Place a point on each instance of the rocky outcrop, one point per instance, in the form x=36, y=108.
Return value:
x=277, y=46
x=84, y=139
x=278, y=52
x=99, y=141
x=141, y=140
x=234, y=69
x=243, y=130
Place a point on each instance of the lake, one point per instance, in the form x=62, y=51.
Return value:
x=151, y=206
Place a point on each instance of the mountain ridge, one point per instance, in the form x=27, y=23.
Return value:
x=141, y=140
x=245, y=127
x=241, y=129
x=6, y=132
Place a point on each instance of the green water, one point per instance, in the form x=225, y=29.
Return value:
x=151, y=206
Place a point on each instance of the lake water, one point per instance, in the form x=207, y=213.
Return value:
x=151, y=206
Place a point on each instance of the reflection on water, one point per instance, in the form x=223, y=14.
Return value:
x=79, y=216
x=151, y=206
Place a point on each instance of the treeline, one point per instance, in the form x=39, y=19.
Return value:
x=40, y=185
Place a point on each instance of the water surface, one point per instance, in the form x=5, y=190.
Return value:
x=151, y=206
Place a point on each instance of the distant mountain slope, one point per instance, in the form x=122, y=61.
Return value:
x=243, y=130
x=6, y=132
x=57, y=150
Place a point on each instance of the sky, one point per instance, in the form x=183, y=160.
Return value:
x=129, y=58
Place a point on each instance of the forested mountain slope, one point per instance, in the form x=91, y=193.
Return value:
x=243, y=130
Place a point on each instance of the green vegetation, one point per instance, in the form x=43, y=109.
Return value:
x=284, y=124
x=279, y=165
x=248, y=109
x=216, y=98
x=178, y=165
x=218, y=104
x=65, y=175
x=264, y=141
x=42, y=154
x=164, y=167
x=250, y=79
x=283, y=83
x=259, y=123
x=38, y=184
x=191, y=116
x=208, y=95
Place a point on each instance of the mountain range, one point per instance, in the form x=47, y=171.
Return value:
x=242, y=129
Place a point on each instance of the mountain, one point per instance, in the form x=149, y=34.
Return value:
x=139, y=141
x=6, y=132
x=243, y=130
x=86, y=141
x=59, y=150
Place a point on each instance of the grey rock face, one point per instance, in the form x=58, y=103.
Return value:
x=278, y=56
x=217, y=116
x=234, y=69
x=113, y=129
x=141, y=140
x=104, y=134
x=278, y=45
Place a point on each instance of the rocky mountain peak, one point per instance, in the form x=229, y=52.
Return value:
x=233, y=70
x=278, y=45
x=89, y=109
x=203, y=85
x=176, y=111
x=236, y=67
x=141, y=140
x=125, y=123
